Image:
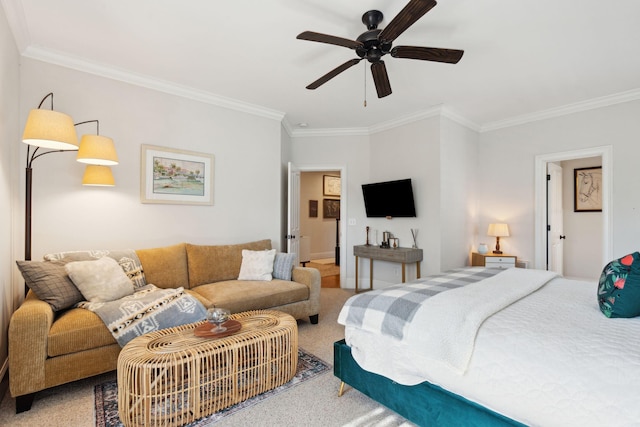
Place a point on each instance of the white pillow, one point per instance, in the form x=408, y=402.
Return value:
x=257, y=265
x=101, y=280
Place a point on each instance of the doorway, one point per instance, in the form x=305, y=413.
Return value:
x=323, y=236
x=542, y=205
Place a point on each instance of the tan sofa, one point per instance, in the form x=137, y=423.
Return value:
x=47, y=349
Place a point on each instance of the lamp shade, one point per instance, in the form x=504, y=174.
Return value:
x=498, y=230
x=98, y=175
x=50, y=129
x=97, y=150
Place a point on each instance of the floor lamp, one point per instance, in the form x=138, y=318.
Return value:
x=55, y=131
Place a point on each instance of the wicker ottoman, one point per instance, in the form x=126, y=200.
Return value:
x=172, y=377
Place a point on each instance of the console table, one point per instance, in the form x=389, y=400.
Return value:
x=401, y=255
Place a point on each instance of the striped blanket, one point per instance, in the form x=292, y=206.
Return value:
x=390, y=310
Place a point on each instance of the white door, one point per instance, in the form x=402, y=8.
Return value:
x=555, y=238
x=293, y=212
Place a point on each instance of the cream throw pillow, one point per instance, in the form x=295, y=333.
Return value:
x=101, y=280
x=257, y=265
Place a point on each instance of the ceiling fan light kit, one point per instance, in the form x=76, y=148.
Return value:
x=374, y=43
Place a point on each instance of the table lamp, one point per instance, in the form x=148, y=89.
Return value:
x=498, y=231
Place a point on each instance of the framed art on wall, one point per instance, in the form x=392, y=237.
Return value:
x=313, y=208
x=173, y=176
x=587, y=189
x=330, y=208
x=331, y=185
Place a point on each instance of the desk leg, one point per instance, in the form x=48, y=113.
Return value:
x=418, y=269
x=370, y=273
x=404, y=277
x=356, y=274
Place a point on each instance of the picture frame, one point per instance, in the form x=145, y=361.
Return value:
x=313, y=208
x=331, y=208
x=174, y=176
x=331, y=185
x=587, y=189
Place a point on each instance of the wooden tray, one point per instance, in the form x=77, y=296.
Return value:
x=204, y=330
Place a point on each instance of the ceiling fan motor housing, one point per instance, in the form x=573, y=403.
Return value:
x=373, y=49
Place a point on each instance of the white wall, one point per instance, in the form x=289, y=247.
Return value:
x=506, y=171
x=583, y=244
x=67, y=216
x=459, y=157
x=411, y=151
x=9, y=139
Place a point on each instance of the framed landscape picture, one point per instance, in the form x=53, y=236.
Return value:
x=173, y=176
x=588, y=189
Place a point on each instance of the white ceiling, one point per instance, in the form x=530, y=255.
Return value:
x=522, y=60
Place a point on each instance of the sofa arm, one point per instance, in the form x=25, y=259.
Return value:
x=28, y=331
x=311, y=278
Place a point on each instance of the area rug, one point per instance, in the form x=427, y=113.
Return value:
x=106, y=394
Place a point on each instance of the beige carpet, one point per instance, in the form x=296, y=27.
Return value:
x=313, y=403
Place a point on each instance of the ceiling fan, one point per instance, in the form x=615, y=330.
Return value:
x=374, y=43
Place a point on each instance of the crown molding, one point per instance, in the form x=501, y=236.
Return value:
x=329, y=132
x=75, y=63
x=591, y=104
x=15, y=17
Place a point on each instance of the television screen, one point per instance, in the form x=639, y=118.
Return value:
x=389, y=199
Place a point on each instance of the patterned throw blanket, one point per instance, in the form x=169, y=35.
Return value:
x=390, y=310
x=147, y=309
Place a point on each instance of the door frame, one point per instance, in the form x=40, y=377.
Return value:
x=344, y=198
x=540, y=229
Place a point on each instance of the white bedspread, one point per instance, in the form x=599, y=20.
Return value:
x=457, y=315
x=549, y=359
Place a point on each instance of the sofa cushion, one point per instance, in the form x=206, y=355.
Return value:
x=209, y=264
x=77, y=330
x=283, y=266
x=257, y=265
x=165, y=267
x=126, y=258
x=101, y=280
x=241, y=295
x=51, y=283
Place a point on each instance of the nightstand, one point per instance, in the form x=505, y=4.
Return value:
x=491, y=260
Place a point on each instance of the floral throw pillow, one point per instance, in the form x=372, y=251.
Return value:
x=619, y=287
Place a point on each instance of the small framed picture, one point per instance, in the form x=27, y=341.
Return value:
x=313, y=208
x=330, y=208
x=169, y=175
x=588, y=189
x=331, y=185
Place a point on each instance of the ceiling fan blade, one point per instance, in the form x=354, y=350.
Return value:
x=325, y=38
x=381, y=79
x=413, y=11
x=331, y=74
x=450, y=56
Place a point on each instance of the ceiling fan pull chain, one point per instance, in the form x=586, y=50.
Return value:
x=365, y=84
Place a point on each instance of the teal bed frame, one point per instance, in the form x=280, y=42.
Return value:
x=424, y=404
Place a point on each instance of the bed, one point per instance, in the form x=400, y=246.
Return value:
x=499, y=347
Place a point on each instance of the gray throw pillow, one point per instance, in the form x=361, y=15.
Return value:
x=50, y=283
x=101, y=280
x=283, y=265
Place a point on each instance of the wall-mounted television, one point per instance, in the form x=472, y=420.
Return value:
x=389, y=199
